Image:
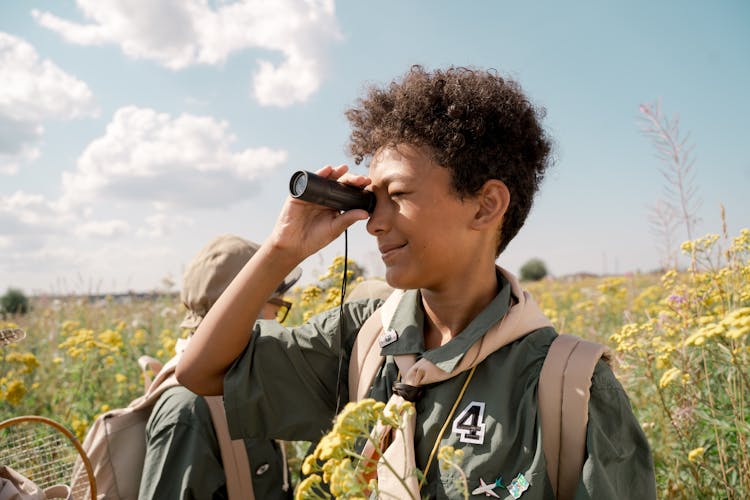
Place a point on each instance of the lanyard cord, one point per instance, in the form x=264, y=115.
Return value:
x=341, y=322
x=445, y=426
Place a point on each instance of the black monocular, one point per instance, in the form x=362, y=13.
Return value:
x=310, y=187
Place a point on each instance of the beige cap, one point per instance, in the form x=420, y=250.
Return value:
x=372, y=288
x=211, y=271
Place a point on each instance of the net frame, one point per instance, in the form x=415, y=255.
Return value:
x=47, y=453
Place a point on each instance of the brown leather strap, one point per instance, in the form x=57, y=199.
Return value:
x=563, y=395
x=233, y=454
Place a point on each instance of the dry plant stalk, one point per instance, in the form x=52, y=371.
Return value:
x=681, y=199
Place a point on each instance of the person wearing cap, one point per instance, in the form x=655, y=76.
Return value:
x=183, y=458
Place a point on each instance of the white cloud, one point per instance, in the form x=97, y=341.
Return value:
x=149, y=176
x=32, y=91
x=294, y=80
x=105, y=229
x=160, y=225
x=29, y=222
x=152, y=157
x=178, y=34
x=31, y=211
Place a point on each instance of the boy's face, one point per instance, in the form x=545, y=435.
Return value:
x=422, y=227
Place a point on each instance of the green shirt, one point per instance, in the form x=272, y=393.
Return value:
x=287, y=379
x=183, y=459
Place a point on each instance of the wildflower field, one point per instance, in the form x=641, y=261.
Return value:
x=679, y=341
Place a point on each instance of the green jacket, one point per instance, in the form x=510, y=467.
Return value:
x=183, y=460
x=287, y=379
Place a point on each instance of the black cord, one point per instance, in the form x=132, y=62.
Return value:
x=341, y=322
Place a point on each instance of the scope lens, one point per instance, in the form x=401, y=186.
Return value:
x=299, y=183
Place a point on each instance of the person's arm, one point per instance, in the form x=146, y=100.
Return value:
x=619, y=462
x=301, y=230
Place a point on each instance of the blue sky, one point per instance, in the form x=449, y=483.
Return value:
x=131, y=135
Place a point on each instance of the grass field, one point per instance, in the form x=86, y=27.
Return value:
x=679, y=339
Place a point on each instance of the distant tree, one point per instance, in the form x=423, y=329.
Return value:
x=533, y=270
x=14, y=302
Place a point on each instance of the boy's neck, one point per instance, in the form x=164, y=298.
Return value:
x=449, y=311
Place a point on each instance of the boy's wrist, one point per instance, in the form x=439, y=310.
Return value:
x=282, y=253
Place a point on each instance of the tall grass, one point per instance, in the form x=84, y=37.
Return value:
x=680, y=340
x=80, y=357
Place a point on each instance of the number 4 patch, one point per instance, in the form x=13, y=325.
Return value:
x=469, y=424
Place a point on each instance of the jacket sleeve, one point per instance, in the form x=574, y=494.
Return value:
x=619, y=463
x=287, y=378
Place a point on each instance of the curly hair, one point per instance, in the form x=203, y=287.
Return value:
x=475, y=123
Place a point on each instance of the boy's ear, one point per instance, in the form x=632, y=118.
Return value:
x=492, y=203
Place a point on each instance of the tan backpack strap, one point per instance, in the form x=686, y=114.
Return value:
x=148, y=363
x=563, y=395
x=365, y=357
x=233, y=454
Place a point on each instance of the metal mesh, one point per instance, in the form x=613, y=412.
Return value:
x=44, y=455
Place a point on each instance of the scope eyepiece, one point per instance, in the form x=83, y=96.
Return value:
x=328, y=192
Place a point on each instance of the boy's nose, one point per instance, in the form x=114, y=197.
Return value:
x=379, y=218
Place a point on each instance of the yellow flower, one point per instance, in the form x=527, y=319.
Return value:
x=449, y=457
x=14, y=392
x=742, y=242
x=696, y=338
x=663, y=361
x=308, y=464
x=306, y=487
x=696, y=454
x=120, y=378
x=139, y=337
x=737, y=333
x=79, y=426
x=111, y=338
x=27, y=359
x=669, y=376
x=344, y=478
x=737, y=323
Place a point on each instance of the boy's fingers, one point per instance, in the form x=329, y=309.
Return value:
x=348, y=218
x=329, y=171
x=354, y=180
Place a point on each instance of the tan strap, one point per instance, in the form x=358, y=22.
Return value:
x=563, y=396
x=233, y=454
x=148, y=363
x=167, y=371
x=365, y=357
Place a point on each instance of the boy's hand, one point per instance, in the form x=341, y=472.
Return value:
x=303, y=228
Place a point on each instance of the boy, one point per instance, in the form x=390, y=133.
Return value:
x=457, y=156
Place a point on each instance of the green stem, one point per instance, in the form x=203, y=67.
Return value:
x=719, y=444
x=682, y=438
x=464, y=482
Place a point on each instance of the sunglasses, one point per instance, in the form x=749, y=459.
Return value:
x=284, y=308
